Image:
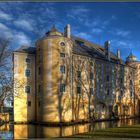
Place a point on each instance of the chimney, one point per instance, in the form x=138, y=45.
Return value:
x=67, y=31
x=107, y=49
x=118, y=54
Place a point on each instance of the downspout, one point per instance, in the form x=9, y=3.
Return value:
x=13, y=85
x=72, y=91
x=134, y=93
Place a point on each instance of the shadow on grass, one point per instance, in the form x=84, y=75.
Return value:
x=119, y=132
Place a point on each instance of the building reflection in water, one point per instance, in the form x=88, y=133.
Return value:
x=31, y=131
x=6, y=131
x=23, y=131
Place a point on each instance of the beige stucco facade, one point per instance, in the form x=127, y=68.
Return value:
x=23, y=112
x=72, y=81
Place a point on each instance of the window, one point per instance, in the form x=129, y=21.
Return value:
x=39, y=88
x=62, y=87
x=121, y=93
x=62, y=55
x=91, y=91
x=39, y=70
x=121, y=80
x=29, y=103
x=27, y=72
x=108, y=92
x=91, y=76
x=78, y=90
x=79, y=74
x=12, y=103
x=27, y=89
x=28, y=60
x=62, y=44
x=39, y=58
x=62, y=69
x=130, y=82
x=107, y=78
x=39, y=103
x=131, y=93
x=91, y=63
x=80, y=43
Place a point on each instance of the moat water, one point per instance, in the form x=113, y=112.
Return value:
x=23, y=131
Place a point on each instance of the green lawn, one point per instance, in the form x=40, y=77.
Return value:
x=132, y=131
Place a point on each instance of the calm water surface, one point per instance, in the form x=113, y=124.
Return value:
x=35, y=131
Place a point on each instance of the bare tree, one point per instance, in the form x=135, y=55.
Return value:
x=5, y=70
x=5, y=53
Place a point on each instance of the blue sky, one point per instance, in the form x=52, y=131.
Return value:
x=24, y=23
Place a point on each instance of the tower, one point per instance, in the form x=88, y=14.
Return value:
x=131, y=58
x=53, y=76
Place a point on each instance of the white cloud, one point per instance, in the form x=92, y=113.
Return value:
x=79, y=13
x=5, y=31
x=21, y=39
x=24, y=24
x=48, y=13
x=78, y=10
x=16, y=37
x=122, y=33
x=83, y=35
x=121, y=43
x=97, y=30
x=5, y=16
x=94, y=23
x=3, y=27
x=119, y=32
x=113, y=17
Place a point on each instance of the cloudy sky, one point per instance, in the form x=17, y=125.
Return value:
x=23, y=23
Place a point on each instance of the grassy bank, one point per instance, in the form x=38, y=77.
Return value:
x=132, y=131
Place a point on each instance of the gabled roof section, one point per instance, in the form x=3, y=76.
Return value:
x=81, y=47
x=84, y=47
x=26, y=49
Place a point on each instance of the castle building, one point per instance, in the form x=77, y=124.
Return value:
x=132, y=61
x=67, y=78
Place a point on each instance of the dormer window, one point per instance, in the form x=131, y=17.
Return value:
x=79, y=42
